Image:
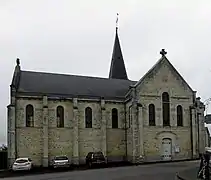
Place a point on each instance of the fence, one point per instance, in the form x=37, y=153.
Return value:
x=3, y=159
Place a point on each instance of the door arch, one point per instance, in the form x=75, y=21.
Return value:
x=166, y=149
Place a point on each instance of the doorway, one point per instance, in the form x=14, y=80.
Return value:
x=166, y=149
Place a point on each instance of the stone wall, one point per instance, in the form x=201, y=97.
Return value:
x=153, y=142
x=149, y=91
x=29, y=139
x=60, y=140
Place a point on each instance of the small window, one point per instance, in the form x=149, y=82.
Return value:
x=179, y=116
x=114, y=118
x=88, y=117
x=29, y=116
x=60, y=116
x=152, y=115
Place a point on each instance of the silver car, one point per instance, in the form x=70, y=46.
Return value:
x=60, y=162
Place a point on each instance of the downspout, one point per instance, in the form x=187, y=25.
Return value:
x=16, y=149
x=191, y=131
x=126, y=129
x=126, y=159
x=16, y=89
x=198, y=130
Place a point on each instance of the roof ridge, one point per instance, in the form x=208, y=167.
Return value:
x=62, y=74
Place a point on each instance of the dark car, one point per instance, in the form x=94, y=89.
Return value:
x=95, y=158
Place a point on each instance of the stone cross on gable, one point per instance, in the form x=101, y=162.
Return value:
x=163, y=52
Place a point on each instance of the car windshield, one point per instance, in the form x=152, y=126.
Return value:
x=21, y=161
x=61, y=158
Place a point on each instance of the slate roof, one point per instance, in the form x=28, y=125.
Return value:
x=62, y=85
x=117, y=69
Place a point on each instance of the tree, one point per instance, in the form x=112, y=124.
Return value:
x=3, y=147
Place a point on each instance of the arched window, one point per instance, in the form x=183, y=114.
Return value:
x=88, y=117
x=60, y=116
x=179, y=116
x=166, y=109
x=114, y=118
x=29, y=116
x=152, y=115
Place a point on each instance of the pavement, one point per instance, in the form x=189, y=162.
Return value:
x=159, y=171
x=189, y=174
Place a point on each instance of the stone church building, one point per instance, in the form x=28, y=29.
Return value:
x=156, y=118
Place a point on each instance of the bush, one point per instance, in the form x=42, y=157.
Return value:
x=3, y=159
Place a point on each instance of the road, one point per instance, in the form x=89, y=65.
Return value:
x=164, y=171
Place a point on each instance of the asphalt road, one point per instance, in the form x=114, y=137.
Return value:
x=164, y=171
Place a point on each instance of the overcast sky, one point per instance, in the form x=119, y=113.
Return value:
x=76, y=37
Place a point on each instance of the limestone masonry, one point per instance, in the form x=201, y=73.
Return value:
x=157, y=118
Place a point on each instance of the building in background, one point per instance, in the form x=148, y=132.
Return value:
x=208, y=119
x=158, y=117
x=207, y=125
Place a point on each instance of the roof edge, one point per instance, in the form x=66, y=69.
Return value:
x=69, y=95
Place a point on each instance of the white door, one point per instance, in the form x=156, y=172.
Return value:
x=166, y=149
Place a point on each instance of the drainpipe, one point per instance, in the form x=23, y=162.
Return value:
x=191, y=131
x=16, y=149
x=198, y=130
x=126, y=159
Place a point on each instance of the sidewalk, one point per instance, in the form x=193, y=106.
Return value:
x=189, y=174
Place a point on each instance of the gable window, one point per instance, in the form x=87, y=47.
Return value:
x=166, y=109
x=179, y=116
x=88, y=117
x=152, y=115
x=114, y=118
x=29, y=116
x=60, y=116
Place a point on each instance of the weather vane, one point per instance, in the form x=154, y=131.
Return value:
x=117, y=20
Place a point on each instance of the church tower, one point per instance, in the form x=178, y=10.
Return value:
x=117, y=68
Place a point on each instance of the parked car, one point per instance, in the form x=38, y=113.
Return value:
x=94, y=158
x=22, y=164
x=60, y=162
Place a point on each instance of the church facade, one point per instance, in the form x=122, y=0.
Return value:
x=156, y=118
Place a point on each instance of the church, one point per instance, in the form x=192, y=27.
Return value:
x=158, y=118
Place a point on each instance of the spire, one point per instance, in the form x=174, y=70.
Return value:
x=117, y=69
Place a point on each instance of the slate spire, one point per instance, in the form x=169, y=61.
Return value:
x=117, y=68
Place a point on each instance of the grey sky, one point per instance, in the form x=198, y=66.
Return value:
x=76, y=37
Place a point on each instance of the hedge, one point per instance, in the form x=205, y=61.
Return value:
x=3, y=159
